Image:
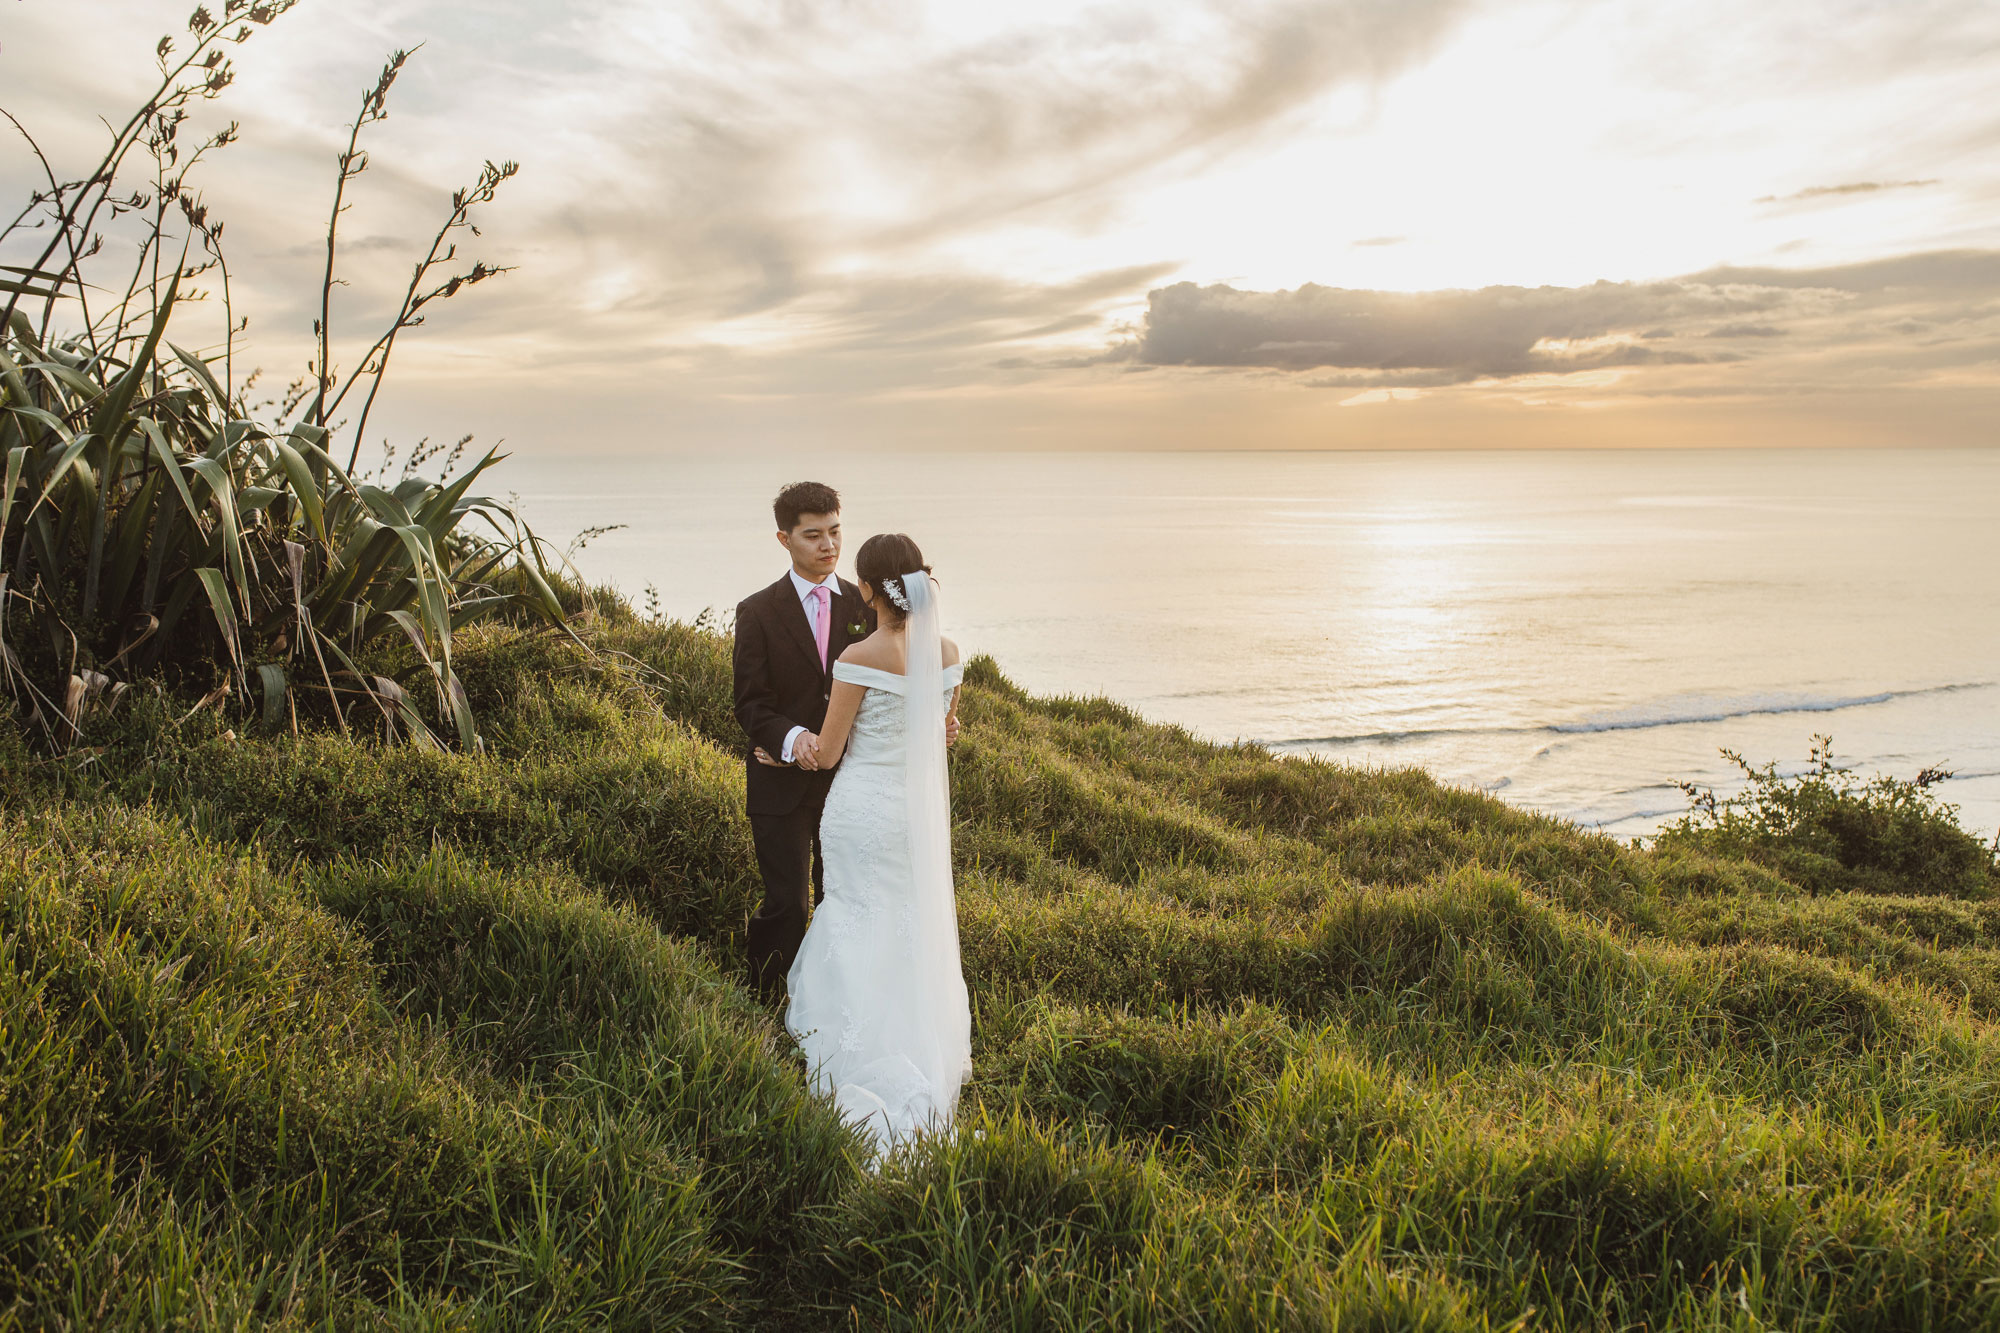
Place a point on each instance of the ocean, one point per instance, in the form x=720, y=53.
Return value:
x=1572, y=632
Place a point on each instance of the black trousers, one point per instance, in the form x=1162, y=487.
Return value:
x=788, y=854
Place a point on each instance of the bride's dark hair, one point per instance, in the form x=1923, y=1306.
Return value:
x=881, y=563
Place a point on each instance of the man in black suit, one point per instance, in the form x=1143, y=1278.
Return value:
x=787, y=639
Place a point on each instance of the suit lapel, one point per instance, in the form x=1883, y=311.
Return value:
x=792, y=614
x=849, y=609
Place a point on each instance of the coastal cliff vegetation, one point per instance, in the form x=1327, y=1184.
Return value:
x=310, y=1030
x=372, y=900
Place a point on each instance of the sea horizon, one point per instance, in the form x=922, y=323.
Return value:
x=1574, y=639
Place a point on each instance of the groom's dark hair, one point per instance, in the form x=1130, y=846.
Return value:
x=803, y=497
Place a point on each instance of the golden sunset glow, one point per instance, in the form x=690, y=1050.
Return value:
x=1140, y=225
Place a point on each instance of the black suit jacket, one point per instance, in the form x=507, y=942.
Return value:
x=780, y=684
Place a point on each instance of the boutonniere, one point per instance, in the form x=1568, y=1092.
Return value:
x=857, y=628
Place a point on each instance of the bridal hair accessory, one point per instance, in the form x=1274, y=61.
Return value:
x=892, y=588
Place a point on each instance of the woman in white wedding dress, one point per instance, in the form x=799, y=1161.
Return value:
x=878, y=1000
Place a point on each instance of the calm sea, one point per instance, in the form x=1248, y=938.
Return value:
x=1570, y=631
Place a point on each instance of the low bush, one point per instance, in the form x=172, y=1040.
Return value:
x=1828, y=831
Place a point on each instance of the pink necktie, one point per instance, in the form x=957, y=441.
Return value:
x=822, y=619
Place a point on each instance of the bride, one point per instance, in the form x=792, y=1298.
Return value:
x=878, y=1002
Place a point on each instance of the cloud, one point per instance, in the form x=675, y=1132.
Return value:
x=875, y=329
x=762, y=196
x=770, y=202
x=1462, y=334
x=370, y=244
x=1370, y=396
x=1947, y=301
x=798, y=140
x=1834, y=191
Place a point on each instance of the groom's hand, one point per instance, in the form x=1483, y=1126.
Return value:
x=805, y=752
x=765, y=759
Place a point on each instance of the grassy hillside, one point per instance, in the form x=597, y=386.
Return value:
x=301, y=1031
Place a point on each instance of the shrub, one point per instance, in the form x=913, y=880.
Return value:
x=1830, y=832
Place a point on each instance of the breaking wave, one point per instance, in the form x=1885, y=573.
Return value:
x=1678, y=712
x=1681, y=711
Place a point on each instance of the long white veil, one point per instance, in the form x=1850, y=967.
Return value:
x=878, y=994
x=948, y=1059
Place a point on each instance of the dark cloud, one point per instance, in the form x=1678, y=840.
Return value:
x=1466, y=334
x=926, y=316
x=1941, y=274
x=873, y=333
x=1437, y=337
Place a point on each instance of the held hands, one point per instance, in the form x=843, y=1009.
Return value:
x=805, y=754
x=805, y=750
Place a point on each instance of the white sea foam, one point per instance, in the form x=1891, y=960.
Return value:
x=1680, y=710
x=1685, y=709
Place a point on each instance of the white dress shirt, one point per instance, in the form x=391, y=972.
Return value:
x=805, y=591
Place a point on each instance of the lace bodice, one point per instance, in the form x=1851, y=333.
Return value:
x=877, y=737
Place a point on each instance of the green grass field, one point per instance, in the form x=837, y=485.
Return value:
x=307, y=1032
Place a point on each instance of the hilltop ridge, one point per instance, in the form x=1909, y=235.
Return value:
x=311, y=1031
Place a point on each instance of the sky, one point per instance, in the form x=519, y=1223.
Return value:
x=1166, y=224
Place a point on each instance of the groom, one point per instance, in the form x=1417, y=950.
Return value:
x=787, y=639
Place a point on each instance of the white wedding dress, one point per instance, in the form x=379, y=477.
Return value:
x=878, y=999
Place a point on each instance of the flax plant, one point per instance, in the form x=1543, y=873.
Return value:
x=151, y=524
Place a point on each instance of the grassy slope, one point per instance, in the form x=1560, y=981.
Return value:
x=311, y=1032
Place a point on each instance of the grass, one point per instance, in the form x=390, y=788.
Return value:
x=303, y=1031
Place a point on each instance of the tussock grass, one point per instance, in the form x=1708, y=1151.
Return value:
x=199, y=1061
x=537, y=979
x=310, y=1032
